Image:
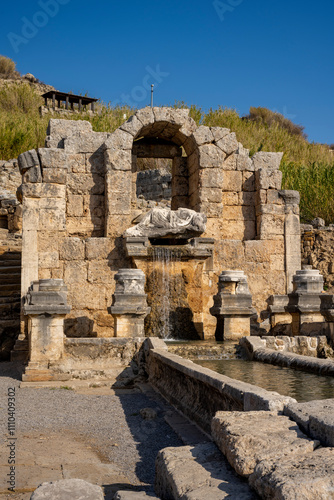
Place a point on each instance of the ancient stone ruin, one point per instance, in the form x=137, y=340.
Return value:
x=83, y=222
x=205, y=246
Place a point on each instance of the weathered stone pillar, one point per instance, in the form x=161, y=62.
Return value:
x=46, y=307
x=129, y=308
x=305, y=302
x=291, y=235
x=232, y=306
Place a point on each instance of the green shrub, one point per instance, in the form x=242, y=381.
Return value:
x=7, y=68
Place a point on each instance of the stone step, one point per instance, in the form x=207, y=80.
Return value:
x=10, y=266
x=15, y=292
x=10, y=299
x=204, y=473
x=11, y=246
x=270, y=435
x=19, y=356
x=10, y=308
x=7, y=279
x=5, y=288
x=43, y=375
x=9, y=323
x=10, y=255
x=20, y=351
x=21, y=344
x=16, y=284
x=10, y=293
x=10, y=259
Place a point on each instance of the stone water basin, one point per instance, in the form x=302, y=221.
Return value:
x=205, y=349
x=226, y=358
x=299, y=385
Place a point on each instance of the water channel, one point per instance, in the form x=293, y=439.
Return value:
x=299, y=385
x=226, y=358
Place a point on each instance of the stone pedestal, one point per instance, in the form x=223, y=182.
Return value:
x=307, y=310
x=232, y=306
x=129, y=308
x=46, y=307
x=305, y=303
x=280, y=318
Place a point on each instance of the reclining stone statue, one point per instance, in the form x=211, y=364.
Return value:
x=164, y=222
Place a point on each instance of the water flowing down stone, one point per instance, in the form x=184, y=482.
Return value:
x=167, y=284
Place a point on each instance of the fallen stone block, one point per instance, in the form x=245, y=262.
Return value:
x=297, y=477
x=68, y=489
x=196, y=473
x=315, y=418
x=249, y=438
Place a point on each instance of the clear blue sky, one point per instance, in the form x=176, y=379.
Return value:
x=235, y=53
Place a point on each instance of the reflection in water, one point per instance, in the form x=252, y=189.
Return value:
x=299, y=385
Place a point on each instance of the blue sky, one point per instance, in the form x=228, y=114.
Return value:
x=234, y=53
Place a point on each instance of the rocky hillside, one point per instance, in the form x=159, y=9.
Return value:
x=38, y=86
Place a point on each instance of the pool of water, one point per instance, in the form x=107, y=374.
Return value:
x=299, y=385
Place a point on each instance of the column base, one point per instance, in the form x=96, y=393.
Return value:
x=39, y=372
x=236, y=327
x=128, y=326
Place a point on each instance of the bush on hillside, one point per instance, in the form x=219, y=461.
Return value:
x=8, y=68
x=272, y=118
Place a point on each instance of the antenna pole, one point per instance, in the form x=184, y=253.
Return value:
x=152, y=90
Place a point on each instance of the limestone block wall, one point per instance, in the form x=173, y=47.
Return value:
x=10, y=177
x=63, y=194
x=10, y=209
x=79, y=196
x=317, y=251
x=154, y=184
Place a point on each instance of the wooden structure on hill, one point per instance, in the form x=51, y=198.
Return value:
x=69, y=100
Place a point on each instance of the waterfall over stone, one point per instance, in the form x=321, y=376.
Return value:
x=167, y=283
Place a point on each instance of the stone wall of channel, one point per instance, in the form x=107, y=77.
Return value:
x=198, y=392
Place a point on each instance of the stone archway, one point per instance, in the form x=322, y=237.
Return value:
x=172, y=125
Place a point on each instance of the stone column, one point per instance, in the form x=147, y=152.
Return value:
x=46, y=307
x=129, y=308
x=291, y=235
x=232, y=306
